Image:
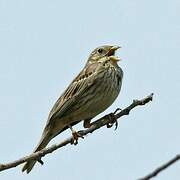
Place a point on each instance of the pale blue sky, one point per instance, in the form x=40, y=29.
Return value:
x=44, y=44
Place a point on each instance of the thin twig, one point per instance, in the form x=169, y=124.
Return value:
x=95, y=125
x=161, y=168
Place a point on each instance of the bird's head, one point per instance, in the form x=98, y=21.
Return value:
x=104, y=53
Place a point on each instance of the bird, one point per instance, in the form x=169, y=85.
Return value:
x=93, y=90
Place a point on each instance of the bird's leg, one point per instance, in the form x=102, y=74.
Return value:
x=113, y=119
x=87, y=123
x=75, y=135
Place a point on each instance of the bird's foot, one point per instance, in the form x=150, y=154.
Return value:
x=113, y=119
x=75, y=137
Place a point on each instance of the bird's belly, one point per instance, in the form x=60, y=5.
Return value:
x=101, y=99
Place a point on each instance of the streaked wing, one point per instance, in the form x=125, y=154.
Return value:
x=80, y=84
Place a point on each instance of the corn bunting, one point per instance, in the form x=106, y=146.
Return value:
x=90, y=93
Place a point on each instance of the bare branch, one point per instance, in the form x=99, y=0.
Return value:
x=95, y=125
x=161, y=168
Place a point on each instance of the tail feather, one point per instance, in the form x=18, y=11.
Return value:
x=28, y=166
x=42, y=144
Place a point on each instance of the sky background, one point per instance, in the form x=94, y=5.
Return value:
x=43, y=46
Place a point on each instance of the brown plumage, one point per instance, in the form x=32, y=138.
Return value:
x=90, y=93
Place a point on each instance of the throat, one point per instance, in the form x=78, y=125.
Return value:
x=114, y=63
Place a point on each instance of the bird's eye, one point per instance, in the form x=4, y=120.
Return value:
x=100, y=50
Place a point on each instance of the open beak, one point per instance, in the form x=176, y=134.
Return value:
x=114, y=48
x=111, y=53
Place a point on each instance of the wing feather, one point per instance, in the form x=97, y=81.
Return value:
x=80, y=84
